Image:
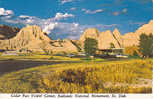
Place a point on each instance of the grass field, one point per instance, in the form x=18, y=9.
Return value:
x=126, y=76
x=45, y=57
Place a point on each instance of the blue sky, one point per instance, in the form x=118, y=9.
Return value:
x=69, y=18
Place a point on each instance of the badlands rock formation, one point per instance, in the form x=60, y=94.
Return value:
x=117, y=36
x=29, y=38
x=7, y=32
x=120, y=41
x=32, y=38
x=130, y=39
x=66, y=46
x=90, y=33
x=104, y=38
x=146, y=28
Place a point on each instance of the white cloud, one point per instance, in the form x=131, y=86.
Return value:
x=71, y=30
x=73, y=8
x=75, y=24
x=74, y=30
x=65, y=1
x=116, y=13
x=92, y=12
x=64, y=27
x=53, y=25
x=50, y=27
x=46, y=24
x=125, y=10
x=25, y=19
x=24, y=16
x=29, y=21
x=60, y=16
x=61, y=29
x=9, y=12
x=4, y=12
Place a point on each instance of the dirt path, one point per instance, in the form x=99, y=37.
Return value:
x=15, y=65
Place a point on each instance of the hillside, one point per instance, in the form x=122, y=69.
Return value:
x=7, y=32
x=31, y=38
x=120, y=41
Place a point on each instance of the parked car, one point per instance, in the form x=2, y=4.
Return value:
x=121, y=56
x=71, y=55
x=81, y=54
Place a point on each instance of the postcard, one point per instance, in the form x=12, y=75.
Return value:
x=76, y=49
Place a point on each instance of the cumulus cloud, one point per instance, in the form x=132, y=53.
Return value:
x=58, y=29
x=48, y=28
x=54, y=27
x=46, y=24
x=63, y=27
x=60, y=16
x=74, y=30
x=124, y=10
x=65, y=1
x=25, y=19
x=4, y=12
x=35, y=20
x=24, y=16
x=116, y=13
x=75, y=24
x=73, y=8
x=92, y=12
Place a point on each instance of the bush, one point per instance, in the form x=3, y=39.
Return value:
x=51, y=57
x=132, y=51
x=88, y=77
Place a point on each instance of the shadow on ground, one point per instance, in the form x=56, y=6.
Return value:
x=15, y=65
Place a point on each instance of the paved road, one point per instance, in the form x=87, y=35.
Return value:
x=14, y=65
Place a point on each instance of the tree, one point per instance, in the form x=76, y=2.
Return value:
x=132, y=51
x=112, y=45
x=146, y=45
x=135, y=53
x=90, y=46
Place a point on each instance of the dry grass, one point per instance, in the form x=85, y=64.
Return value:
x=37, y=57
x=85, y=77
